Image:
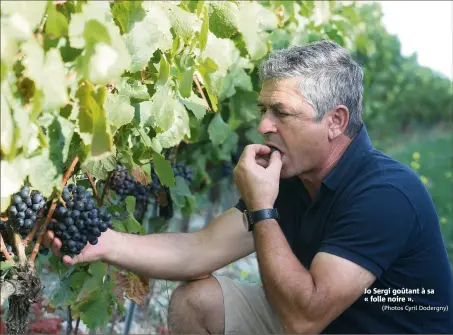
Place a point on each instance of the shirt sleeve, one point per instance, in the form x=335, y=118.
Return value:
x=372, y=229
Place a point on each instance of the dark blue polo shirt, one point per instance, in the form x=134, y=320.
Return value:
x=375, y=211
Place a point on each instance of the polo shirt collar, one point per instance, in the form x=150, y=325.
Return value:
x=342, y=170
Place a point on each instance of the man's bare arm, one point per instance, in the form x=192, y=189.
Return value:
x=174, y=256
x=306, y=301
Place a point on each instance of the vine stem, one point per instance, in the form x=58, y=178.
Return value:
x=51, y=210
x=200, y=90
x=20, y=249
x=31, y=234
x=106, y=186
x=5, y=251
x=76, y=329
x=93, y=186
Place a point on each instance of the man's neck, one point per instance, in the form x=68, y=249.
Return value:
x=313, y=180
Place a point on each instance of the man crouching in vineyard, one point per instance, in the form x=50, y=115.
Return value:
x=347, y=239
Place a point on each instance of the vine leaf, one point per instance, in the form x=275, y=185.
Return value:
x=100, y=168
x=197, y=105
x=140, y=175
x=56, y=24
x=127, y=13
x=253, y=31
x=119, y=111
x=223, y=18
x=147, y=36
x=163, y=170
x=133, y=286
x=40, y=68
x=218, y=130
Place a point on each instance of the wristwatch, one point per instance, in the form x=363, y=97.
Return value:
x=252, y=218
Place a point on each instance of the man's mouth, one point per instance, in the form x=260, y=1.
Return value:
x=273, y=148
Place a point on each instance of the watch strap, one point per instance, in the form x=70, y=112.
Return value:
x=260, y=215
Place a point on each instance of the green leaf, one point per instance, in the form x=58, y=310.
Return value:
x=95, y=32
x=197, y=105
x=254, y=136
x=119, y=226
x=185, y=84
x=179, y=192
x=130, y=204
x=218, y=130
x=181, y=20
x=223, y=18
x=178, y=130
x=22, y=17
x=243, y=108
x=119, y=111
x=64, y=294
x=204, y=29
x=235, y=79
x=96, y=10
x=93, y=120
x=147, y=36
x=96, y=310
x=162, y=115
x=163, y=170
x=44, y=175
x=133, y=89
x=98, y=270
x=5, y=265
x=127, y=13
x=7, y=126
x=77, y=279
x=133, y=226
x=100, y=168
x=253, y=31
x=102, y=143
x=106, y=56
x=56, y=23
x=40, y=68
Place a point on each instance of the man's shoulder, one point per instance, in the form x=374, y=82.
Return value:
x=382, y=172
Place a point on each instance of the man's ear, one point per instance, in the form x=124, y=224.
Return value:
x=337, y=121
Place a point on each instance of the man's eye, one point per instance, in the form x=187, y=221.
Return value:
x=263, y=110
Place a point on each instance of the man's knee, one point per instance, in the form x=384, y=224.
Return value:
x=197, y=303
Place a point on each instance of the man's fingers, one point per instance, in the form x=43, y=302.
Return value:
x=56, y=245
x=48, y=238
x=262, y=162
x=70, y=261
x=275, y=162
x=253, y=150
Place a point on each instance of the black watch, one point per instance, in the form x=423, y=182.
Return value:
x=251, y=218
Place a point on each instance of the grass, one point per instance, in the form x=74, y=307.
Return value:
x=430, y=153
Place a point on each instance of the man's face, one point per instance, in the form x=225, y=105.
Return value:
x=287, y=123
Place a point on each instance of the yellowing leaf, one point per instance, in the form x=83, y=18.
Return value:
x=134, y=287
x=253, y=19
x=148, y=35
x=40, y=68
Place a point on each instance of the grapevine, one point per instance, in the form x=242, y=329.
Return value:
x=94, y=93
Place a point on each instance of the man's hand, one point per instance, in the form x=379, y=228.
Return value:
x=257, y=180
x=90, y=253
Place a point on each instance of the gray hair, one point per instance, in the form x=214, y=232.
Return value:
x=330, y=78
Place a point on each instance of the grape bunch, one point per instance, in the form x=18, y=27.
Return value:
x=182, y=170
x=80, y=221
x=125, y=185
x=226, y=169
x=24, y=209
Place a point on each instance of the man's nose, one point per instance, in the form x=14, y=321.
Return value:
x=267, y=125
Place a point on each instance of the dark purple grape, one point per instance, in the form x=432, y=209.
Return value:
x=24, y=193
x=17, y=199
